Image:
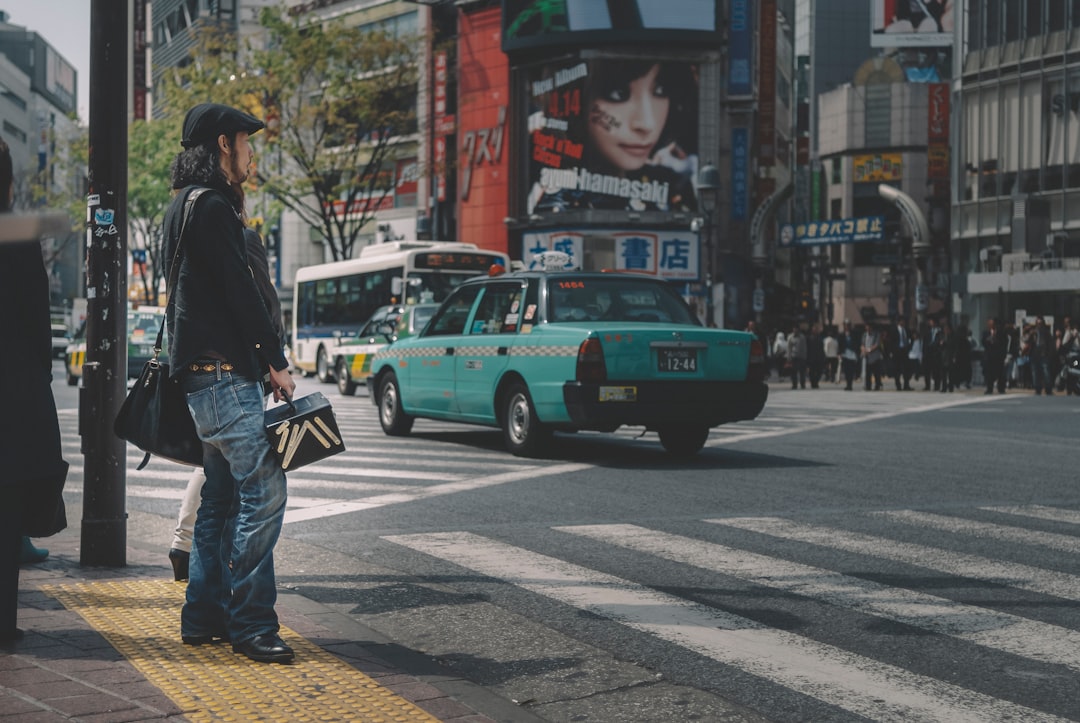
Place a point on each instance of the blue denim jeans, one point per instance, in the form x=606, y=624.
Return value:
x=231, y=587
x=1040, y=371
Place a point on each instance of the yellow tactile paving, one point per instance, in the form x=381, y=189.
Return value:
x=141, y=619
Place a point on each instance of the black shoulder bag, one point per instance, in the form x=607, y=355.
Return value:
x=155, y=416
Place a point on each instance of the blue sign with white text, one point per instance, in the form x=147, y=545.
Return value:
x=740, y=173
x=740, y=40
x=834, y=231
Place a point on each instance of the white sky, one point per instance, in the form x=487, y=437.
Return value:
x=65, y=25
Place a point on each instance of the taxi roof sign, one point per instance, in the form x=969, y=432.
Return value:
x=552, y=260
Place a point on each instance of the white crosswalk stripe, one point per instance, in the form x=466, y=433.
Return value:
x=1040, y=512
x=1001, y=631
x=1024, y=577
x=975, y=528
x=853, y=682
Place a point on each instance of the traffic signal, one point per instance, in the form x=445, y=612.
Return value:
x=806, y=303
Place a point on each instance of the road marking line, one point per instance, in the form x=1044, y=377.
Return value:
x=1025, y=577
x=1001, y=631
x=887, y=414
x=977, y=528
x=1040, y=512
x=861, y=685
x=422, y=493
x=317, y=471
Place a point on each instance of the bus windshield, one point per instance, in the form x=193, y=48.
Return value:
x=427, y=287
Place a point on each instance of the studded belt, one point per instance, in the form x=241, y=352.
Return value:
x=211, y=367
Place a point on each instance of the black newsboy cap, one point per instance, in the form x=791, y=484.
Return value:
x=207, y=121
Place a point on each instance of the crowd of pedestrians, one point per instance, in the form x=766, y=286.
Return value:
x=940, y=356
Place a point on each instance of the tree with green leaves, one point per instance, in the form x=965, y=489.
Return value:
x=152, y=145
x=339, y=102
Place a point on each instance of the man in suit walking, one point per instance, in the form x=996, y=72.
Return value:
x=995, y=346
x=899, y=351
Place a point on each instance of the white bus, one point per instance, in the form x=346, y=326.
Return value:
x=335, y=299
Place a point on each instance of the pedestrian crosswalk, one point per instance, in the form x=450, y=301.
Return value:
x=861, y=655
x=439, y=454
x=375, y=470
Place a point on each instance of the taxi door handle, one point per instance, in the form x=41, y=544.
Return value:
x=449, y=351
x=504, y=350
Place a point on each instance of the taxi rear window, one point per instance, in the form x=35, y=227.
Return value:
x=615, y=299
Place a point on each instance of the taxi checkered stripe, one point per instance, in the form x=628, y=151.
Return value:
x=544, y=351
x=418, y=351
x=486, y=350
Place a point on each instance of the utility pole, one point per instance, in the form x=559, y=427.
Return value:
x=104, y=522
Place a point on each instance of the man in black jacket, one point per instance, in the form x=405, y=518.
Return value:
x=995, y=346
x=221, y=343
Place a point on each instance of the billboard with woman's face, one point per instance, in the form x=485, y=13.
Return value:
x=612, y=133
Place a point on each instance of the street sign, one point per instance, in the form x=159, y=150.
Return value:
x=759, y=300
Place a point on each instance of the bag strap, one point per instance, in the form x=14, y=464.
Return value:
x=174, y=268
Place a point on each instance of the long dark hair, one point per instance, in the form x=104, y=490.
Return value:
x=201, y=165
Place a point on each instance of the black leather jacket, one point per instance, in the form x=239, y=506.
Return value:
x=216, y=308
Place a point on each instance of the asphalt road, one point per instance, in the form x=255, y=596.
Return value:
x=847, y=556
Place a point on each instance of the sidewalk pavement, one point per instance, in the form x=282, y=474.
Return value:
x=103, y=644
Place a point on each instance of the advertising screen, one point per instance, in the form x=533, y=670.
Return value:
x=538, y=23
x=614, y=134
x=911, y=23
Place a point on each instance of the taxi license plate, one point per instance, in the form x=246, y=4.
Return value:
x=677, y=360
x=618, y=394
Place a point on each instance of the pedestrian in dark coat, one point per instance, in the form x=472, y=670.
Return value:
x=815, y=355
x=849, y=344
x=30, y=451
x=995, y=345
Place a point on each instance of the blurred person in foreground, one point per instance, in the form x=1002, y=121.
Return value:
x=29, y=440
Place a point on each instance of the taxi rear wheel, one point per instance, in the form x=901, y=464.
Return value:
x=345, y=384
x=683, y=441
x=526, y=436
x=392, y=417
x=322, y=367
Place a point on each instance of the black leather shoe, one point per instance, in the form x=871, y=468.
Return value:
x=179, y=560
x=267, y=648
x=205, y=639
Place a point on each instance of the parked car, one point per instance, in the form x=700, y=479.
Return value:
x=142, y=328
x=533, y=352
x=352, y=356
x=59, y=340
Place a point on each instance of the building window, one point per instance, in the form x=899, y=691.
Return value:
x=837, y=172
x=1012, y=21
x=17, y=101
x=992, y=24
x=1055, y=19
x=14, y=132
x=1034, y=26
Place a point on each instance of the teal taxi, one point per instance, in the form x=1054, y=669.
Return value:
x=534, y=352
x=352, y=356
